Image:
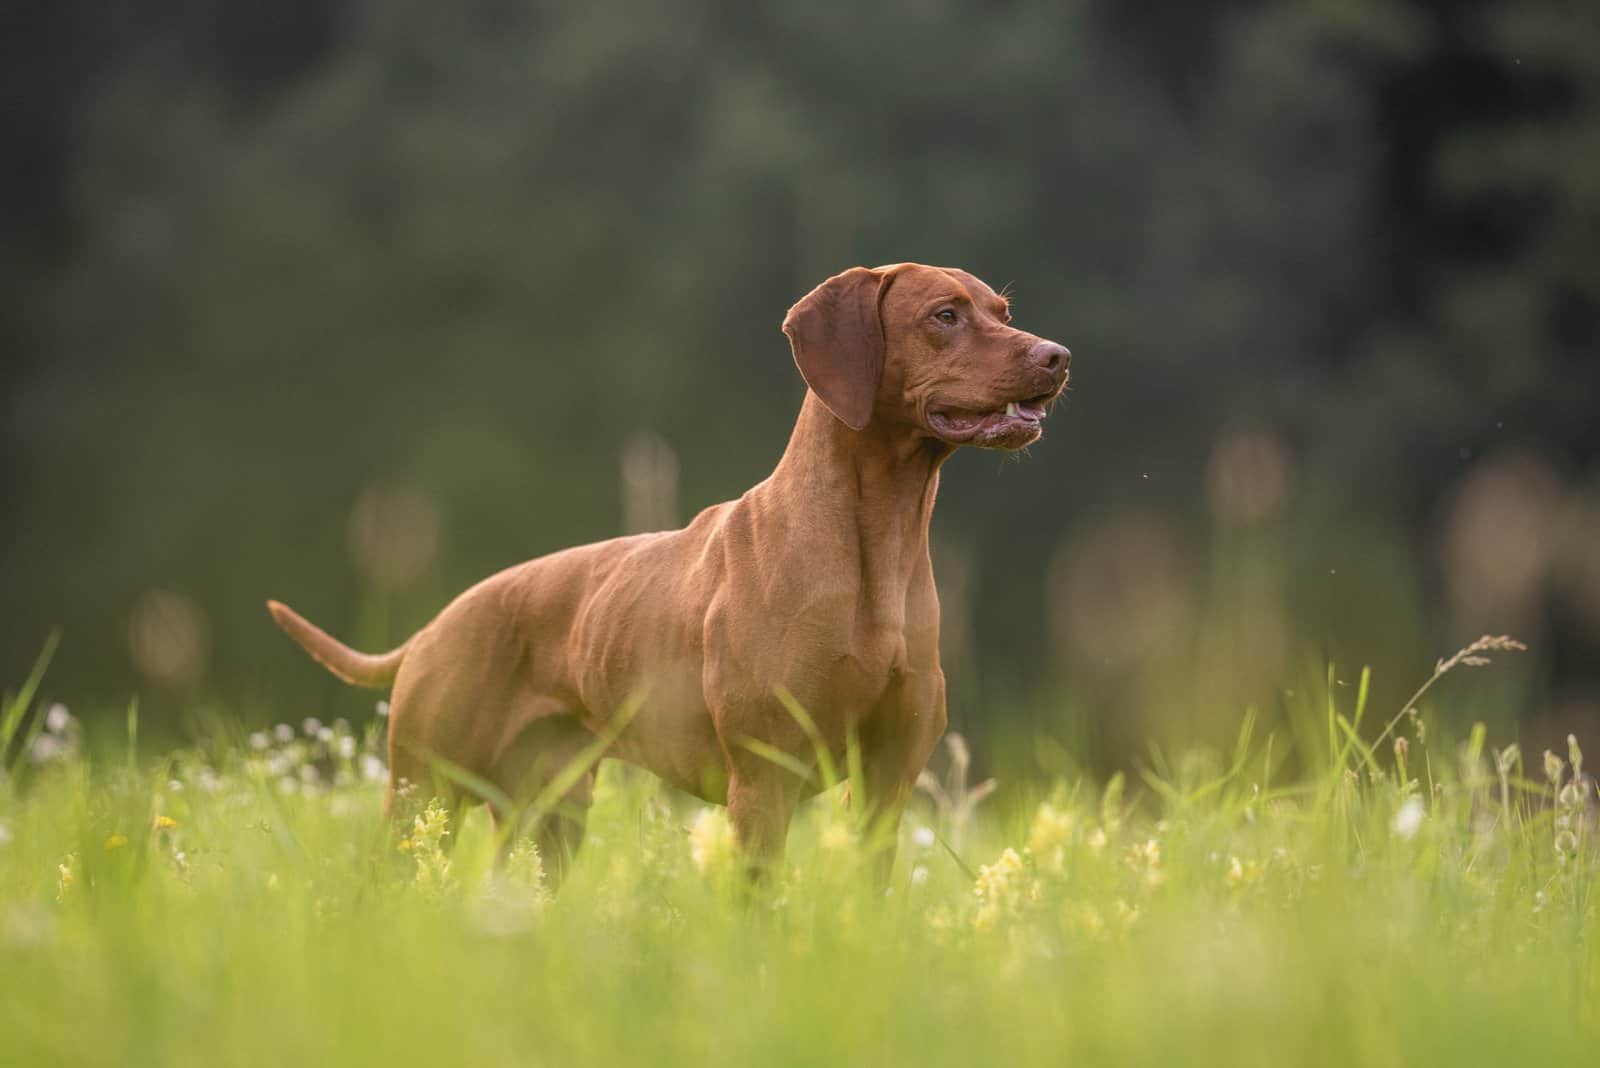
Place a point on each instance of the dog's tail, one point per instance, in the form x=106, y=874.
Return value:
x=376, y=672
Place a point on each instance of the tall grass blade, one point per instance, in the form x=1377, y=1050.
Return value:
x=830, y=773
x=18, y=707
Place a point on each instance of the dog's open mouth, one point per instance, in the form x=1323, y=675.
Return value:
x=1017, y=424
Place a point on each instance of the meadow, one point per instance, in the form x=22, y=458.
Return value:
x=1376, y=889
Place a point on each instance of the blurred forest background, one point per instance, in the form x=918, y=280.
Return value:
x=353, y=303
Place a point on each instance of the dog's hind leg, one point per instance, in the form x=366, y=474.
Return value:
x=543, y=757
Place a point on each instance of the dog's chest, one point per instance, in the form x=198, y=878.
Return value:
x=829, y=649
x=858, y=682
x=852, y=659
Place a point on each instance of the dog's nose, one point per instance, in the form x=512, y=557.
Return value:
x=1050, y=356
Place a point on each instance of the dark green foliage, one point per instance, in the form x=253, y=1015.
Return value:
x=471, y=248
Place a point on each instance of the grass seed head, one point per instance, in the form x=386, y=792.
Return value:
x=1553, y=767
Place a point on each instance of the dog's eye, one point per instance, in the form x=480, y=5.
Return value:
x=947, y=316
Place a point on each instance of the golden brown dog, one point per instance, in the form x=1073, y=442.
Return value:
x=815, y=584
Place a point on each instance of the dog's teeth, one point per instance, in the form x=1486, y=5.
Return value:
x=1011, y=409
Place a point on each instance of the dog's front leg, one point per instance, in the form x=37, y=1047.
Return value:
x=895, y=746
x=761, y=802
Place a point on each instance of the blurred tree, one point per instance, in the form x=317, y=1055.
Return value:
x=456, y=255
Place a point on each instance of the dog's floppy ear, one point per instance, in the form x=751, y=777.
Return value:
x=836, y=333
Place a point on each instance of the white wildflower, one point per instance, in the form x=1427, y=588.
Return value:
x=46, y=748
x=1409, y=819
x=57, y=719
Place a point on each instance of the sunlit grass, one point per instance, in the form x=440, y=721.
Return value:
x=1422, y=901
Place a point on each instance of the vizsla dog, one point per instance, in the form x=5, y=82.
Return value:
x=814, y=587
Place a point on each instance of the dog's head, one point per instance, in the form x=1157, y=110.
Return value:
x=931, y=349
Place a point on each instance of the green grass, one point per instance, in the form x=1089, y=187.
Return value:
x=226, y=905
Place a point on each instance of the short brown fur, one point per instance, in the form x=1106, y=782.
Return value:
x=816, y=581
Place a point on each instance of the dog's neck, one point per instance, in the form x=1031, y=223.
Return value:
x=872, y=489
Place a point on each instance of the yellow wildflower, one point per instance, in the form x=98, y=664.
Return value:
x=1001, y=891
x=115, y=841
x=1084, y=921
x=1145, y=860
x=525, y=868
x=66, y=876
x=165, y=823
x=711, y=842
x=1242, y=874
x=428, y=832
x=1049, y=834
x=993, y=878
x=836, y=838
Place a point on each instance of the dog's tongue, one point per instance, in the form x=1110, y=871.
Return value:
x=1011, y=411
x=966, y=420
